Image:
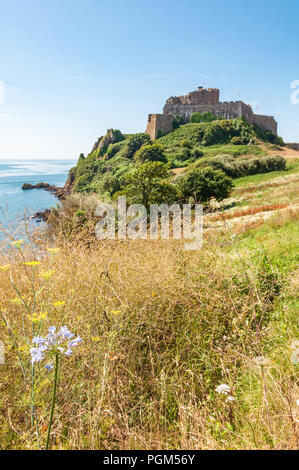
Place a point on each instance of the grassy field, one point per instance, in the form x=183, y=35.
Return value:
x=161, y=329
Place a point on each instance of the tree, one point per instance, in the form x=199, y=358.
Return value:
x=151, y=153
x=146, y=185
x=177, y=122
x=203, y=184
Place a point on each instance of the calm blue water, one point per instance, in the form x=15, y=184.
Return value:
x=15, y=202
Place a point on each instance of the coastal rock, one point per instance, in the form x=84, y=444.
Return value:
x=43, y=215
x=35, y=186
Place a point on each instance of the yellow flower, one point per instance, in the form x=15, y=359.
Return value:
x=47, y=274
x=96, y=338
x=24, y=347
x=32, y=263
x=17, y=301
x=5, y=267
x=53, y=251
x=115, y=312
x=37, y=317
x=60, y=303
x=17, y=243
x=154, y=294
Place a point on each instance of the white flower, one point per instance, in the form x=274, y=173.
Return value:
x=297, y=402
x=223, y=389
x=230, y=399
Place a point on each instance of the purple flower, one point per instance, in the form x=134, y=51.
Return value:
x=54, y=343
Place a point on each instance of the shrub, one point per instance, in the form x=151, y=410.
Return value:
x=133, y=144
x=151, y=153
x=113, y=149
x=203, y=117
x=177, y=122
x=203, y=184
x=237, y=168
x=220, y=132
x=240, y=140
x=146, y=185
x=185, y=143
x=109, y=184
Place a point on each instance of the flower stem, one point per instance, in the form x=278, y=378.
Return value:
x=53, y=399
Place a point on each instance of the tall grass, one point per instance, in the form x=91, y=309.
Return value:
x=162, y=328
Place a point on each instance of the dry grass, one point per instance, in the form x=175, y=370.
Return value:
x=161, y=329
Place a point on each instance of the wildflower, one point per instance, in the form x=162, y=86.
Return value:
x=297, y=402
x=47, y=274
x=60, y=342
x=49, y=366
x=96, y=338
x=154, y=294
x=230, y=399
x=261, y=361
x=60, y=303
x=5, y=267
x=53, y=251
x=223, y=389
x=115, y=312
x=294, y=345
x=31, y=263
x=37, y=317
x=17, y=301
x=17, y=243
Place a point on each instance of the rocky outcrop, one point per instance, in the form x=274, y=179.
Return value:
x=112, y=136
x=42, y=216
x=60, y=193
x=35, y=186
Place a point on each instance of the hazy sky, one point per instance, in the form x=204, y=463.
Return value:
x=70, y=69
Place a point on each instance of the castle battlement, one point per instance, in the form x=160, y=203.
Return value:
x=202, y=100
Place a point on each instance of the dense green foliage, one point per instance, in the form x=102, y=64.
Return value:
x=237, y=168
x=209, y=143
x=203, y=117
x=150, y=153
x=203, y=184
x=147, y=185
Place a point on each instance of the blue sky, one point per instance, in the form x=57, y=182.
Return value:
x=72, y=68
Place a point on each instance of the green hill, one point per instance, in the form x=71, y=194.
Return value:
x=231, y=146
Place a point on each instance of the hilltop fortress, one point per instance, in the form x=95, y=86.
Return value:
x=202, y=100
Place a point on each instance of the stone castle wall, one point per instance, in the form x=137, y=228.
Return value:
x=202, y=100
x=227, y=110
x=158, y=122
x=199, y=96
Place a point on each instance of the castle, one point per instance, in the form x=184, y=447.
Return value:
x=202, y=100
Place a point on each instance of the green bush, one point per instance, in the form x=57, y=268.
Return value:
x=177, y=122
x=203, y=184
x=133, y=144
x=240, y=140
x=203, y=117
x=237, y=168
x=147, y=184
x=220, y=132
x=150, y=153
x=186, y=143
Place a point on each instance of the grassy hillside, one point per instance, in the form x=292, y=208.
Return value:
x=106, y=170
x=161, y=329
x=180, y=349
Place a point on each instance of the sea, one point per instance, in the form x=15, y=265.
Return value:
x=17, y=204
